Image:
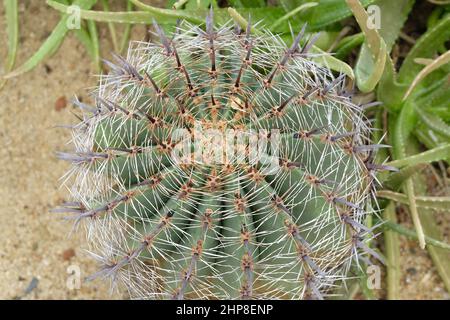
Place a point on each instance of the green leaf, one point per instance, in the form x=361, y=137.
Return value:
x=429, y=138
x=434, y=122
x=12, y=30
x=347, y=44
x=332, y=63
x=436, y=154
x=436, y=203
x=126, y=31
x=326, y=13
x=322, y=17
x=175, y=4
x=374, y=55
x=178, y=14
x=413, y=235
x=390, y=91
x=52, y=43
x=253, y=3
x=368, y=71
x=84, y=37
x=439, y=254
x=392, y=253
x=393, y=17
x=392, y=88
x=433, y=92
x=132, y=17
x=402, y=132
x=436, y=64
x=199, y=4
x=396, y=179
x=95, y=44
x=425, y=47
x=293, y=12
x=111, y=27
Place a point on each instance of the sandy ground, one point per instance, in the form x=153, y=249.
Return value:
x=420, y=279
x=35, y=248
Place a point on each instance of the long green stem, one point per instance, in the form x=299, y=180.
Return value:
x=52, y=43
x=126, y=31
x=392, y=252
x=95, y=44
x=436, y=203
x=130, y=17
x=12, y=28
x=413, y=235
x=292, y=13
x=436, y=154
x=111, y=27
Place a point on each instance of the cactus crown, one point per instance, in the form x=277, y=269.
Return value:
x=169, y=222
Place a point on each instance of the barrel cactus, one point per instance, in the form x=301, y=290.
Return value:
x=217, y=163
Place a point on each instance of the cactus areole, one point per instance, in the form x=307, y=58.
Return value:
x=222, y=164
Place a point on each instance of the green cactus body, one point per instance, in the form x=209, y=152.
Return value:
x=287, y=225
